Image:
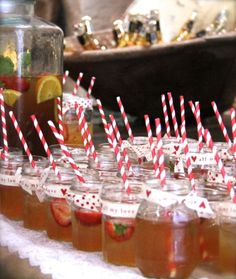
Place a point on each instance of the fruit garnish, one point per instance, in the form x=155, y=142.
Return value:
x=11, y=96
x=48, y=88
x=6, y=66
x=61, y=212
x=88, y=218
x=119, y=230
x=16, y=83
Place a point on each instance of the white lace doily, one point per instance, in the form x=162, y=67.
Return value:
x=59, y=259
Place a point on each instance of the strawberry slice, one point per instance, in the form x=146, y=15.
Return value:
x=61, y=212
x=16, y=83
x=88, y=218
x=120, y=230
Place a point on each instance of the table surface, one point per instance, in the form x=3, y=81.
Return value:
x=12, y=267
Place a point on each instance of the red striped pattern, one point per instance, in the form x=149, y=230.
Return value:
x=59, y=114
x=4, y=124
x=65, y=76
x=182, y=110
x=77, y=84
x=166, y=117
x=91, y=85
x=233, y=123
x=173, y=114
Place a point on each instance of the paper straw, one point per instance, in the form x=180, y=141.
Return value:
x=64, y=149
x=82, y=131
x=233, y=123
x=118, y=158
x=166, y=117
x=89, y=137
x=22, y=139
x=221, y=123
x=120, y=141
x=91, y=85
x=182, y=110
x=4, y=124
x=104, y=121
x=45, y=146
x=160, y=152
x=65, y=76
x=152, y=145
x=59, y=114
x=77, y=84
x=173, y=114
x=220, y=165
x=125, y=118
x=188, y=159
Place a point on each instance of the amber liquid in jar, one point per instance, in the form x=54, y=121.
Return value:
x=118, y=240
x=34, y=215
x=59, y=220
x=86, y=230
x=174, y=252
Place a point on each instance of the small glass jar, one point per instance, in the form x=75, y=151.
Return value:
x=11, y=193
x=72, y=133
x=227, y=243
x=166, y=240
x=58, y=210
x=118, y=223
x=34, y=213
x=86, y=213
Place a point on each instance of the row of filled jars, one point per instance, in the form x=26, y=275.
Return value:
x=159, y=234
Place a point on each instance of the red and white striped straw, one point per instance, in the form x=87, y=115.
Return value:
x=182, y=110
x=64, y=149
x=82, y=130
x=120, y=141
x=22, y=139
x=221, y=123
x=4, y=123
x=65, y=76
x=89, y=137
x=104, y=121
x=160, y=152
x=2, y=156
x=166, y=117
x=77, y=84
x=91, y=85
x=45, y=146
x=152, y=145
x=187, y=156
x=233, y=123
x=125, y=118
x=199, y=126
x=219, y=162
x=173, y=114
x=118, y=158
x=59, y=114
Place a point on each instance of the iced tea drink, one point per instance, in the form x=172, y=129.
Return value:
x=58, y=210
x=31, y=95
x=72, y=133
x=227, y=243
x=86, y=214
x=118, y=223
x=11, y=193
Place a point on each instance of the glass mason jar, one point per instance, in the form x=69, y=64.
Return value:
x=10, y=191
x=166, y=240
x=72, y=133
x=227, y=243
x=31, y=68
x=34, y=213
x=118, y=222
x=86, y=213
x=58, y=210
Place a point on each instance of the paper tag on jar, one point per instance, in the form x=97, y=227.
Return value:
x=56, y=191
x=216, y=177
x=202, y=159
x=29, y=185
x=179, y=166
x=201, y=205
x=11, y=180
x=227, y=209
x=172, y=148
x=88, y=201
x=40, y=194
x=124, y=210
x=44, y=176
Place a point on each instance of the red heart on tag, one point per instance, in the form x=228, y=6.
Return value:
x=202, y=205
x=148, y=193
x=176, y=147
x=194, y=158
x=63, y=191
